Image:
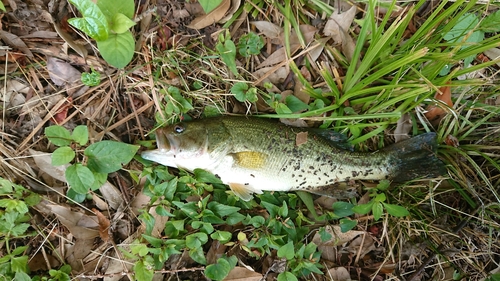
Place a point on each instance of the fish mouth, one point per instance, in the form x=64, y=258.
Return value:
x=166, y=142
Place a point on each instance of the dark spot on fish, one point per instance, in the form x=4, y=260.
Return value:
x=293, y=175
x=311, y=167
x=300, y=175
x=334, y=167
x=355, y=173
x=318, y=158
x=348, y=179
x=302, y=183
x=325, y=174
x=283, y=169
x=315, y=173
x=247, y=183
x=252, y=175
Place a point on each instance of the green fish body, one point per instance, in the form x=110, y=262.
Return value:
x=254, y=154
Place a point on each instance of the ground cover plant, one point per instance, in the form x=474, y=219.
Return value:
x=74, y=204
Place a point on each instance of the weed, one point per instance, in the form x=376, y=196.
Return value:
x=108, y=22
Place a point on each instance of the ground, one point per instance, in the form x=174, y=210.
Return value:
x=377, y=72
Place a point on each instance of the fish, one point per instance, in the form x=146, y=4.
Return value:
x=253, y=154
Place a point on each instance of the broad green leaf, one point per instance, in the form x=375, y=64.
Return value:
x=286, y=251
x=347, y=224
x=222, y=236
x=203, y=176
x=80, y=135
x=19, y=264
x=117, y=49
x=324, y=235
x=466, y=23
x=111, y=7
x=363, y=209
x=20, y=275
x=287, y=276
x=79, y=178
x=121, y=23
x=281, y=108
x=295, y=104
x=342, y=209
x=239, y=91
x=250, y=44
x=108, y=156
x=222, y=210
x=2, y=7
x=198, y=255
x=209, y=5
x=62, y=155
x=377, y=210
x=196, y=240
x=380, y=197
x=227, y=51
x=91, y=79
x=219, y=270
x=491, y=23
x=395, y=210
x=100, y=179
x=58, y=135
x=77, y=197
x=142, y=271
x=93, y=23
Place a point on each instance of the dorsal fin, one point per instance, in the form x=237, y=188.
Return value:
x=335, y=139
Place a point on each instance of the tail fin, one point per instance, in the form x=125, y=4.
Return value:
x=416, y=158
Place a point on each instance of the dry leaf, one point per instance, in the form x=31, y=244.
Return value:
x=493, y=54
x=15, y=42
x=103, y=225
x=79, y=225
x=403, y=127
x=112, y=195
x=339, y=274
x=61, y=72
x=338, y=238
x=338, y=23
x=435, y=113
x=211, y=18
x=300, y=138
x=235, y=4
x=243, y=274
x=44, y=163
x=80, y=49
x=269, y=29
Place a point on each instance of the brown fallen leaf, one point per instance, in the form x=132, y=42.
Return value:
x=103, y=225
x=213, y=17
x=15, y=42
x=435, y=113
x=300, y=138
x=403, y=127
x=241, y=273
x=339, y=23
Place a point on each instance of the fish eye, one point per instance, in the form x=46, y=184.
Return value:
x=179, y=129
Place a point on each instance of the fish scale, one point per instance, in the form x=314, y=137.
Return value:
x=256, y=154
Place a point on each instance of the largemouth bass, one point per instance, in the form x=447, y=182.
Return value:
x=255, y=154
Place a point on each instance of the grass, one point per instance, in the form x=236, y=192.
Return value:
x=189, y=226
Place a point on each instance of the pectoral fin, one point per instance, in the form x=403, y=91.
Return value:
x=243, y=191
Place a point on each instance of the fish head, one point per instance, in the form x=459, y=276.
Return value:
x=186, y=145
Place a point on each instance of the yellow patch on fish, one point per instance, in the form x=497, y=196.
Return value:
x=250, y=159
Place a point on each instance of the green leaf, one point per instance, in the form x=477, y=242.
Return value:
x=383, y=185
x=142, y=271
x=19, y=264
x=380, y=197
x=111, y=7
x=491, y=23
x=465, y=24
x=295, y=104
x=196, y=240
x=219, y=270
x=222, y=236
x=93, y=23
x=363, y=209
x=342, y=209
x=2, y=7
x=286, y=251
x=108, y=156
x=203, y=176
x=395, y=210
x=324, y=235
x=239, y=91
x=62, y=155
x=287, y=276
x=80, y=135
x=79, y=178
x=20, y=275
x=347, y=224
x=91, y=79
x=209, y=5
x=227, y=51
x=377, y=210
x=198, y=255
x=117, y=49
x=121, y=23
x=222, y=210
x=250, y=44
x=75, y=196
x=58, y=135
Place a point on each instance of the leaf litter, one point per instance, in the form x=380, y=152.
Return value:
x=121, y=109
